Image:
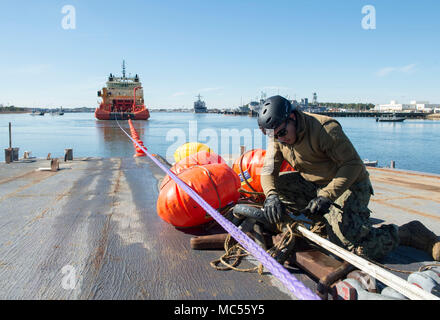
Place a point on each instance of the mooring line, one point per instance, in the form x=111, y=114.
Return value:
x=292, y=283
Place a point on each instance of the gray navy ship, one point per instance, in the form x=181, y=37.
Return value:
x=199, y=106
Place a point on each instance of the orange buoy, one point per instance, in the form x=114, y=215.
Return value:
x=248, y=167
x=135, y=136
x=195, y=159
x=216, y=183
x=189, y=148
x=199, y=158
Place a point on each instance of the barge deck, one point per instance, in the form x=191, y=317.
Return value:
x=95, y=219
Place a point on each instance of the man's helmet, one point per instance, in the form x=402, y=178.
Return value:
x=274, y=112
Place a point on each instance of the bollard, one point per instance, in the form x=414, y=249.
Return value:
x=68, y=154
x=8, y=155
x=393, y=164
x=54, y=165
x=15, y=154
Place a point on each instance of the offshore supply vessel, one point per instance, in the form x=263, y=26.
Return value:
x=122, y=98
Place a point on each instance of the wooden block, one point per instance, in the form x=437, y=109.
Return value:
x=315, y=262
x=213, y=241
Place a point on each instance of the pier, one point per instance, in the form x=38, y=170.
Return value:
x=345, y=114
x=97, y=216
x=373, y=114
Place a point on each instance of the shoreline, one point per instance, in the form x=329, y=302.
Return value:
x=9, y=112
x=433, y=116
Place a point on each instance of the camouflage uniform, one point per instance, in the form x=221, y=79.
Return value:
x=350, y=227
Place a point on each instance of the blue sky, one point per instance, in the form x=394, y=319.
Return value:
x=228, y=51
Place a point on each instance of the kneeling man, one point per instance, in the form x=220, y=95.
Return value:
x=330, y=181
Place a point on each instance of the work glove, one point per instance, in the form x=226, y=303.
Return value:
x=320, y=205
x=274, y=209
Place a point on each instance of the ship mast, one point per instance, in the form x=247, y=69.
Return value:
x=123, y=69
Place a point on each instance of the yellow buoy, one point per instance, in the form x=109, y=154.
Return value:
x=188, y=149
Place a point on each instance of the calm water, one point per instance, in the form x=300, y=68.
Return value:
x=413, y=144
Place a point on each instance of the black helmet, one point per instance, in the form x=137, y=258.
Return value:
x=274, y=112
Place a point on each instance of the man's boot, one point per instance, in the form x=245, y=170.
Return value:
x=414, y=234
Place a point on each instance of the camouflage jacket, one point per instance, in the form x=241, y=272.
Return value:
x=322, y=153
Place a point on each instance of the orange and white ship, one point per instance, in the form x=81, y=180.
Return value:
x=122, y=99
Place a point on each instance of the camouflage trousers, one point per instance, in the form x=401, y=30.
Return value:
x=348, y=227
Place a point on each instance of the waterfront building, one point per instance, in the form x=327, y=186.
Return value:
x=425, y=106
x=395, y=106
x=421, y=106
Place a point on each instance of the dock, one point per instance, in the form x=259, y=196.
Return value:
x=95, y=220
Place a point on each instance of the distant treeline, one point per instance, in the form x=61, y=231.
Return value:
x=352, y=106
x=12, y=109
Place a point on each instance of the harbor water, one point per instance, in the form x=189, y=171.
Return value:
x=412, y=144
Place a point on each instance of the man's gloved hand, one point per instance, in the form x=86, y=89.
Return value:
x=274, y=209
x=319, y=205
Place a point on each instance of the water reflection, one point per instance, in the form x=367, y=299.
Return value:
x=112, y=142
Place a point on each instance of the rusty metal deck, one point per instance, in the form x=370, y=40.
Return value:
x=99, y=217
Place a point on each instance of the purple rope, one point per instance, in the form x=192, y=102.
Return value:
x=293, y=284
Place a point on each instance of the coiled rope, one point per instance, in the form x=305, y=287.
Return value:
x=236, y=253
x=293, y=284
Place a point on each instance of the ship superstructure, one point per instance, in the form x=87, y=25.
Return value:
x=200, y=106
x=122, y=98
